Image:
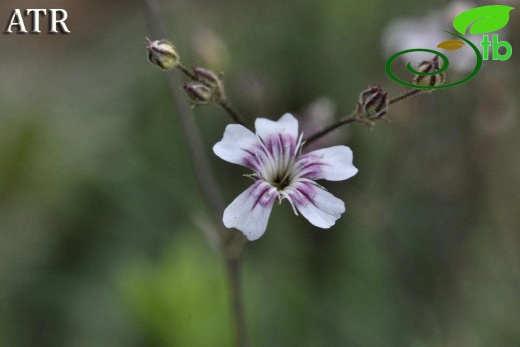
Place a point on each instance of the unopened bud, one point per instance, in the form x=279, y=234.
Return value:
x=373, y=103
x=205, y=76
x=198, y=92
x=212, y=80
x=162, y=53
x=430, y=80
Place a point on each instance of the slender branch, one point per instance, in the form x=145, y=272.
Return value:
x=355, y=117
x=226, y=105
x=231, y=111
x=185, y=71
x=222, y=102
x=231, y=244
x=351, y=118
x=203, y=171
x=233, y=270
x=404, y=96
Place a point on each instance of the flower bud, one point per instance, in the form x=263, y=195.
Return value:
x=162, y=53
x=430, y=80
x=207, y=77
x=198, y=92
x=373, y=103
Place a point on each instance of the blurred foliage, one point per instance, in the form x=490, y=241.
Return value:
x=181, y=299
x=100, y=240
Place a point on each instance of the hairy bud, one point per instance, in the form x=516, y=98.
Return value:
x=211, y=80
x=373, y=103
x=205, y=76
x=430, y=80
x=162, y=53
x=198, y=92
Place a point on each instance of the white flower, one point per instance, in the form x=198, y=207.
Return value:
x=281, y=171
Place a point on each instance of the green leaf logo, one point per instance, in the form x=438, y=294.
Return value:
x=483, y=19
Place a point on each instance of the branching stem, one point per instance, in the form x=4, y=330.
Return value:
x=230, y=244
x=357, y=117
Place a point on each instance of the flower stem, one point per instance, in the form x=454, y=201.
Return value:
x=355, y=117
x=404, y=96
x=237, y=307
x=204, y=173
x=226, y=105
x=185, y=71
x=230, y=244
x=231, y=111
x=351, y=118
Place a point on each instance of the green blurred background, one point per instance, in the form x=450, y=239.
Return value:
x=101, y=240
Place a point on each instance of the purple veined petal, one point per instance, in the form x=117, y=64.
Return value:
x=333, y=164
x=287, y=126
x=250, y=211
x=318, y=206
x=237, y=146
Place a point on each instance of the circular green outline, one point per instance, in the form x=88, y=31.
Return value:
x=445, y=66
x=445, y=63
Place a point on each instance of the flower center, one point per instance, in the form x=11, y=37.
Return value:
x=280, y=182
x=277, y=161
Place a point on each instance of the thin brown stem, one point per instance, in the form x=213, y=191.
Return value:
x=237, y=307
x=404, y=96
x=231, y=111
x=351, y=118
x=231, y=245
x=155, y=27
x=354, y=117
x=222, y=103
x=203, y=171
x=186, y=71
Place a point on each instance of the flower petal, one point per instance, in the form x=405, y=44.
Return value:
x=333, y=164
x=250, y=211
x=237, y=146
x=318, y=206
x=266, y=128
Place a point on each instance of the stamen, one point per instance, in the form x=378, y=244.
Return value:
x=299, y=145
x=285, y=195
x=269, y=157
x=289, y=160
x=289, y=171
x=253, y=176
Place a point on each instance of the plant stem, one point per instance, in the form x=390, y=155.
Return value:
x=222, y=103
x=237, y=307
x=230, y=244
x=346, y=120
x=404, y=96
x=231, y=111
x=203, y=171
x=185, y=71
x=355, y=117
